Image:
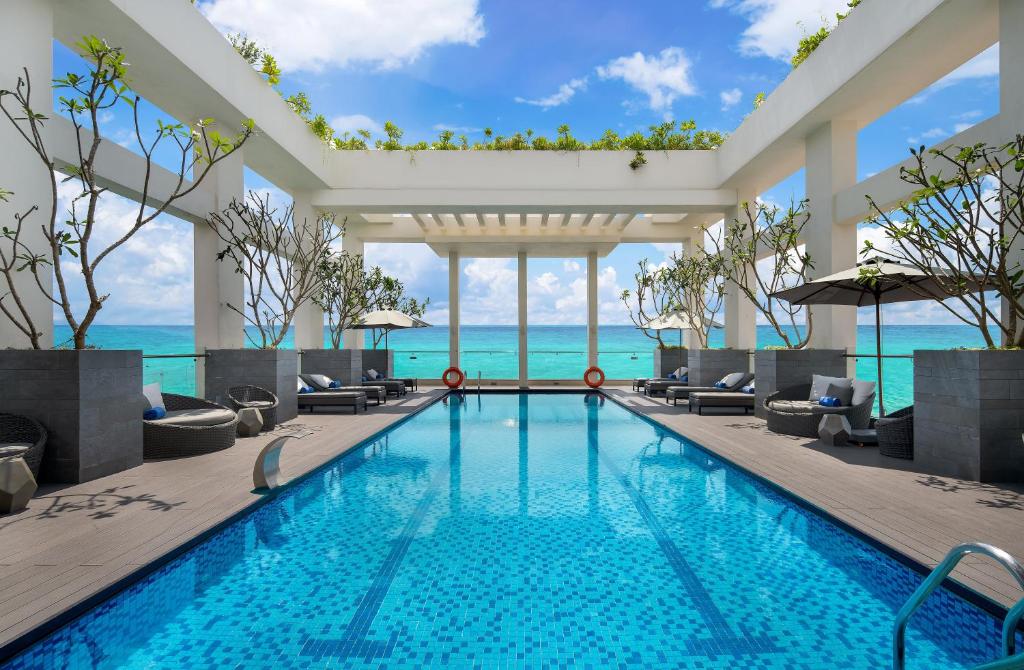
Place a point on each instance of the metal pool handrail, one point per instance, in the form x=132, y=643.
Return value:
x=935, y=579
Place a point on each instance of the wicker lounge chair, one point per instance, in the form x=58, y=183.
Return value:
x=257, y=398
x=790, y=412
x=354, y=399
x=676, y=393
x=192, y=426
x=379, y=394
x=22, y=432
x=896, y=433
x=722, y=399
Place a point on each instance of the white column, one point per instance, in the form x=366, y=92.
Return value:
x=592, y=308
x=740, y=311
x=27, y=43
x=215, y=283
x=524, y=352
x=453, y=309
x=1011, y=87
x=353, y=339
x=691, y=340
x=309, y=318
x=831, y=155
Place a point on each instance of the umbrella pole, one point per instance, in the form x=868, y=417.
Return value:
x=878, y=352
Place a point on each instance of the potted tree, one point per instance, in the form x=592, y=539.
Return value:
x=90, y=400
x=762, y=254
x=695, y=281
x=649, y=300
x=346, y=289
x=962, y=228
x=279, y=259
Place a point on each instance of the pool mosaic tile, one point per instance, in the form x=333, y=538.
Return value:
x=517, y=531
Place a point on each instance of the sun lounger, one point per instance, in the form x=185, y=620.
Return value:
x=733, y=381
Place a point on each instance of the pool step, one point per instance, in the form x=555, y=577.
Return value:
x=1010, y=658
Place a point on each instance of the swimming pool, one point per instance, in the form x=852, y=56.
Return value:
x=518, y=530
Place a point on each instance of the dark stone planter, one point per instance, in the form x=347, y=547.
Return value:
x=668, y=360
x=345, y=365
x=272, y=369
x=776, y=369
x=969, y=414
x=381, y=360
x=707, y=366
x=90, y=403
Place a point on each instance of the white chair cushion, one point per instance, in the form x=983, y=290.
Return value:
x=153, y=395
x=819, y=385
x=680, y=371
x=732, y=379
x=372, y=374
x=197, y=417
x=862, y=390
x=301, y=384
x=321, y=380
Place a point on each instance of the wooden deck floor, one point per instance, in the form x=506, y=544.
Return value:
x=919, y=515
x=75, y=541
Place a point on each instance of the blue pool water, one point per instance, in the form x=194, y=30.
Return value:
x=523, y=531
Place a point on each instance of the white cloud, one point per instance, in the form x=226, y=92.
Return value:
x=985, y=64
x=730, y=98
x=930, y=134
x=662, y=78
x=571, y=266
x=490, y=292
x=350, y=123
x=776, y=26
x=548, y=283
x=314, y=34
x=961, y=127
x=465, y=130
x=563, y=95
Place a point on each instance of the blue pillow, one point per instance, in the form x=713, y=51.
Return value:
x=154, y=413
x=747, y=389
x=365, y=379
x=829, y=401
x=334, y=385
x=671, y=375
x=306, y=389
x=685, y=378
x=721, y=385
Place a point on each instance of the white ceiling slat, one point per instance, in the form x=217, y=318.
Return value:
x=544, y=219
x=461, y=218
x=425, y=220
x=567, y=219
x=590, y=219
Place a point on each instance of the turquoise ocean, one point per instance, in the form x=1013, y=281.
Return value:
x=556, y=352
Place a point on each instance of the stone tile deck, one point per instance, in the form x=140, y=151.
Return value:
x=918, y=514
x=74, y=541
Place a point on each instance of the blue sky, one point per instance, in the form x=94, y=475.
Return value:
x=428, y=65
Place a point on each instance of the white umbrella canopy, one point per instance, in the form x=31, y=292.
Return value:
x=873, y=282
x=388, y=320
x=677, y=319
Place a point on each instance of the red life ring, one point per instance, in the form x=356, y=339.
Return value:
x=449, y=382
x=591, y=370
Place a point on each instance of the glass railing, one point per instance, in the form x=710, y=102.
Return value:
x=175, y=372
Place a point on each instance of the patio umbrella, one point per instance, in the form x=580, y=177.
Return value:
x=388, y=320
x=893, y=282
x=677, y=319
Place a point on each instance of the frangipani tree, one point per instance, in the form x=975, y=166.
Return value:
x=962, y=227
x=279, y=259
x=772, y=234
x=347, y=290
x=650, y=299
x=72, y=253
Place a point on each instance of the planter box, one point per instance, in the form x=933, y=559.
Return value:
x=90, y=403
x=345, y=365
x=969, y=414
x=707, y=366
x=668, y=360
x=381, y=360
x=272, y=369
x=776, y=369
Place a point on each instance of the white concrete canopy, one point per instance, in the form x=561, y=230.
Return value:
x=518, y=204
